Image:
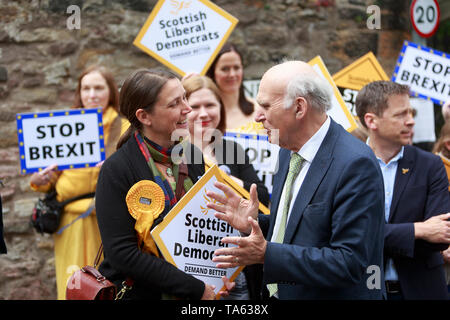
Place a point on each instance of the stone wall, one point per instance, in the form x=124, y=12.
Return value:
x=40, y=59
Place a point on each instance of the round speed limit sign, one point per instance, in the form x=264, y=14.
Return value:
x=425, y=17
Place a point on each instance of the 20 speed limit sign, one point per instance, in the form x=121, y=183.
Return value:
x=425, y=17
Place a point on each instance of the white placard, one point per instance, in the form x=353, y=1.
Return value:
x=424, y=120
x=185, y=35
x=262, y=154
x=68, y=138
x=190, y=233
x=251, y=88
x=425, y=70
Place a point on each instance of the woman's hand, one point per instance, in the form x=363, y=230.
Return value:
x=228, y=287
x=209, y=294
x=45, y=176
x=99, y=164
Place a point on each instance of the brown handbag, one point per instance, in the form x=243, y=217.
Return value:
x=89, y=284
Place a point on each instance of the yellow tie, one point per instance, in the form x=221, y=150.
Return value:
x=294, y=169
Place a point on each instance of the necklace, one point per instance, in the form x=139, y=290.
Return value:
x=166, y=167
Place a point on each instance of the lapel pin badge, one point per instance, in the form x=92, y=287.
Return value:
x=405, y=171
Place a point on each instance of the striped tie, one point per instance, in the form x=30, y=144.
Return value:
x=294, y=169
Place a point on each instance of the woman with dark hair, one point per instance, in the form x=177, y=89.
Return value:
x=141, y=181
x=227, y=71
x=78, y=239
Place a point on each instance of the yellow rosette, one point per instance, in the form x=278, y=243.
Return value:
x=145, y=201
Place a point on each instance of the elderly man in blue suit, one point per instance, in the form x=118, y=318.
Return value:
x=417, y=200
x=324, y=236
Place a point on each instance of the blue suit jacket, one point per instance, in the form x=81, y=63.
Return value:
x=420, y=192
x=335, y=230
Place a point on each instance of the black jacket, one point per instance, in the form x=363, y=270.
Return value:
x=152, y=276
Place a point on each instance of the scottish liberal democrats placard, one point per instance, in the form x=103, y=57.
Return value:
x=68, y=138
x=425, y=70
x=190, y=233
x=185, y=35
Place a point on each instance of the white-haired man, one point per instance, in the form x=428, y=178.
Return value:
x=324, y=236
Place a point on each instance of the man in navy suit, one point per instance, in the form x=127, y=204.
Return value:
x=324, y=236
x=416, y=195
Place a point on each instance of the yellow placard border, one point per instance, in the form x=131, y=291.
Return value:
x=237, y=188
x=317, y=60
x=213, y=171
x=152, y=16
x=368, y=57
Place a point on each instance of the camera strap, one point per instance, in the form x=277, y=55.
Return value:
x=81, y=216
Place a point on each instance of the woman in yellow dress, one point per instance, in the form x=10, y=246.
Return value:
x=77, y=241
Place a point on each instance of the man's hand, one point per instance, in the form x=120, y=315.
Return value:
x=436, y=229
x=249, y=250
x=233, y=209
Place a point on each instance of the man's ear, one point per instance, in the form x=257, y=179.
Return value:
x=301, y=106
x=143, y=117
x=371, y=120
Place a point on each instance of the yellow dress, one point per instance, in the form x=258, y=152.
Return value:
x=78, y=244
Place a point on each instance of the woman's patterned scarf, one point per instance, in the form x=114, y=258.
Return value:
x=154, y=152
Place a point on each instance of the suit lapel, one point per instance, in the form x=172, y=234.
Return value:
x=279, y=179
x=404, y=171
x=312, y=180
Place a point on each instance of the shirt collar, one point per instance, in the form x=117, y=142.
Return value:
x=310, y=148
x=397, y=157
